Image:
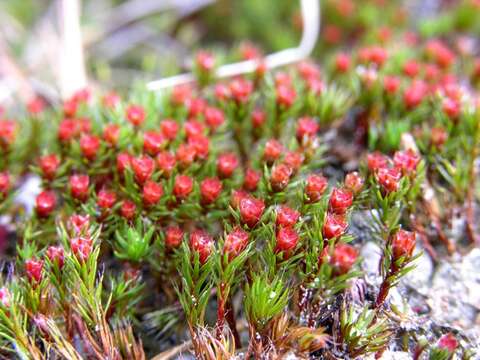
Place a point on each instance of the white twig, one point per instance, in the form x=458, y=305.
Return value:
x=311, y=27
x=72, y=63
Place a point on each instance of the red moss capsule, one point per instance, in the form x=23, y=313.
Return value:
x=214, y=117
x=258, y=118
x=183, y=186
x=8, y=133
x=340, y=200
x=273, y=150
x=201, y=145
x=252, y=177
x=111, y=133
x=389, y=179
x=89, y=145
x=210, y=190
x=70, y=108
x=286, y=95
x=45, y=203
x=202, y=243
x=153, y=142
x=308, y=70
x=152, y=192
x=286, y=216
x=315, y=187
x=376, y=160
x=448, y=342
x=280, y=177
x=403, y=243
x=240, y=90
x=67, y=130
x=135, y=115
x=342, y=63
x=79, y=224
x=173, y=236
x=334, y=226
x=81, y=247
x=438, y=136
x=185, y=155
x=166, y=162
x=391, y=84
x=79, y=186
x=249, y=51
x=354, y=182
x=343, y=258
x=181, y=94
x=111, y=100
x=411, y=68
x=106, y=199
x=286, y=240
x=34, y=270
x=235, y=242
x=205, y=61
x=294, y=160
x=56, y=255
x=194, y=128
x=36, y=105
x=306, y=128
x=251, y=210
x=195, y=106
x=378, y=55
x=143, y=168
x=124, y=160
x=49, y=165
x=414, y=95
x=222, y=92
x=237, y=196
x=128, y=209
x=227, y=164
x=451, y=108
x=4, y=183
x=407, y=161
x=169, y=128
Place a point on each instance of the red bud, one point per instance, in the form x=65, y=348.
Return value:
x=286, y=216
x=202, y=243
x=235, y=242
x=226, y=165
x=251, y=210
x=56, y=255
x=135, y=114
x=128, y=209
x=334, y=226
x=34, y=270
x=106, y=199
x=79, y=186
x=183, y=186
x=45, y=203
x=210, y=190
x=173, y=236
x=403, y=243
x=315, y=187
x=340, y=200
x=286, y=240
x=152, y=192
x=143, y=168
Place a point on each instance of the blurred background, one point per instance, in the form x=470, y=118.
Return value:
x=130, y=41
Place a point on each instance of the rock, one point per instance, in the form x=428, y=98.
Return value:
x=361, y=227
x=391, y=355
x=420, y=278
x=371, y=255
x=455, y=293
